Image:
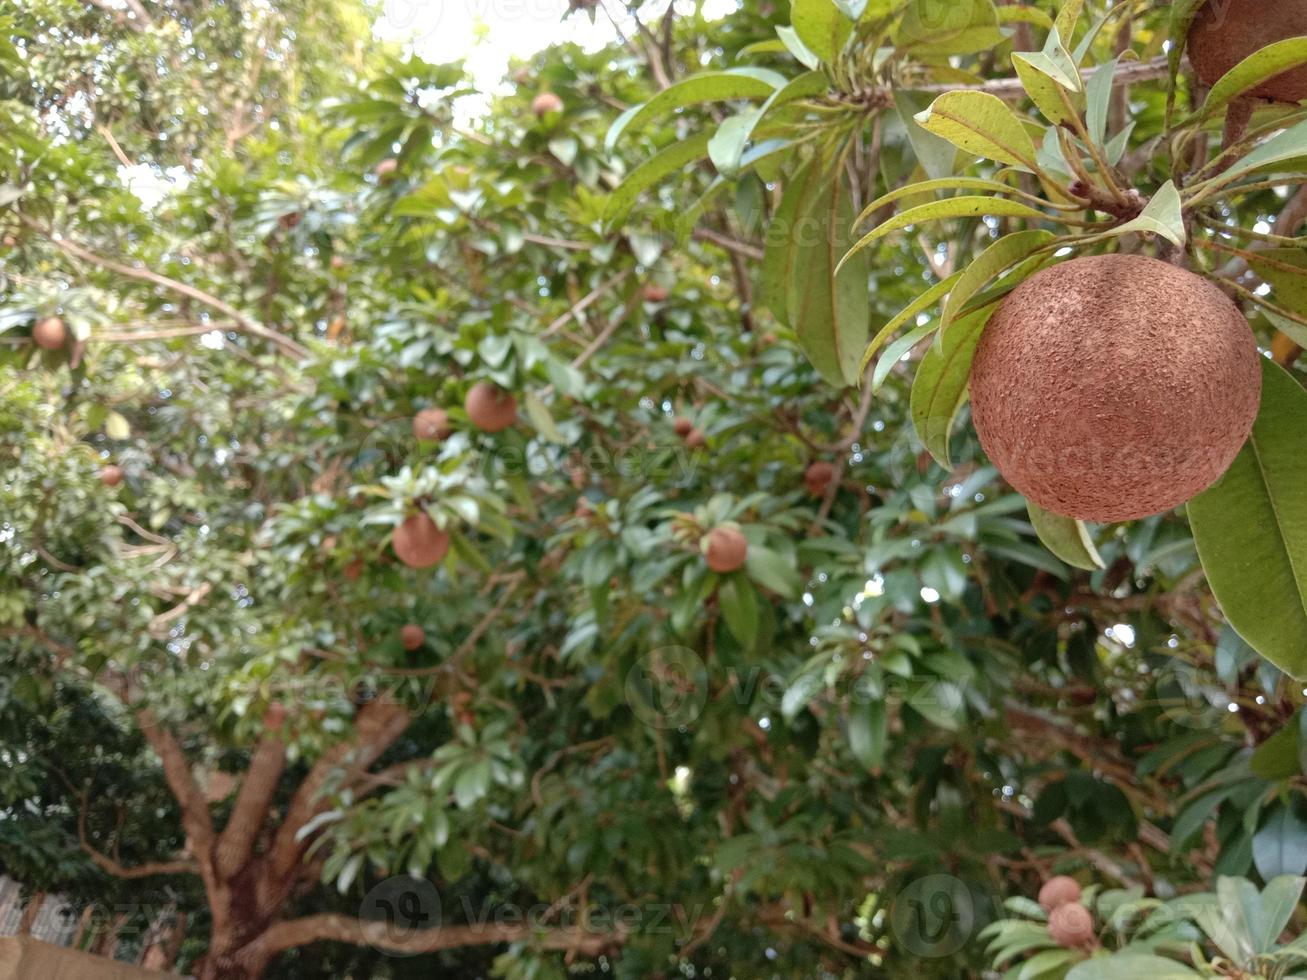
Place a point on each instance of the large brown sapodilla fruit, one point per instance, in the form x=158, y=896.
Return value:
x=726, y=549
x=1112, y=387
x=1071, y=926
x=545, y=103
x=817, y=477
x=50, y=333
x=418, y=543
x=1059, y=891
x=489, y=408
x=111, y=475
x=412, y=636
x=1226, y=31
x=431, y=425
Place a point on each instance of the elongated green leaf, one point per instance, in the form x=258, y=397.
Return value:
x=1161, y=216
x=980, y=123
x=1279, y=901
x=1257, y=68
x=1098, y=95
x=1066, y=537
x=727, y=150
x=1131, y=966
x=794, y=44
x=671, y=160
x=952, y=207
x=717, y=86
x=994, y=261
x=828, y=299
x=867, y=731
x=778, y=255
x=1044, y=91
x=739, y=604
x=936, y=155
x=1251, y=528
x=773, y=572
x=929, y=187
x=940, y=387
x=1285, y=146
x=1013, y=13
x=1279, y=848
x=821, y=26
x=957, y=27
x=1054, y=61
x=540, y=417
x=1286, y=271
x=922, y=303
x=896, y=350
x=1067, y=16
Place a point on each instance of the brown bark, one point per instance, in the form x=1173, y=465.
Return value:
x=30, y=911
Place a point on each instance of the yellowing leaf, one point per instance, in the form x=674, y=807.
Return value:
x=982, y=124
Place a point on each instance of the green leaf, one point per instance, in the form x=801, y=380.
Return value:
x=1013, y=13
x=914, y=309
x=717, y=86
x=930, y=187
x=1131, y=966
x=1255, y=69
x=779, y=252
x=1161, y=216
x=940, y=387
x=929, y=27
x=1067, y=17
x=541, y=419
x=821, y=26
x=1098, y=95
x=1251, y=528
x=672, y=160
x=867, y=733
x=1280, y=847
x=896, y=350
x=1285, y=269
x=1279, y=901
x=993, y=262
x=773, y=572
x=1277, y=757
x=727, y=148
x=982, y=124
x=794, y=44
x=968, y=206
x=117, y=427
x=1044, y=963
x=828, y=300
x=1284, y=146
x=1066, y=537
x=936, y=155
x=740, y=609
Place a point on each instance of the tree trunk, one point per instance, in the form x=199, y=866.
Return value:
x=30, y=913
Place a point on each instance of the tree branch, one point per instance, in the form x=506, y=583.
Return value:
x=120, y=871
x=242, y=322
x=252, y=804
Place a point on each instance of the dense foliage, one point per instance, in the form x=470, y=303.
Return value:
x=273, y=241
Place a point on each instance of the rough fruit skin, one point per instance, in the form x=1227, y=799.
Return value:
x=489, y=408
x=1071, y=926
x=431, y=425
x=1112, y=387
x=726, y=549
x=682, y=426
x=50, y=333
x=111, y=475
x=412, y=636
x=817, y=478
x=545, y=103
x=1059, y=891
x=1226, y=31
x=418, y=543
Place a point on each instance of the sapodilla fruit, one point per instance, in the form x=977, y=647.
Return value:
x=412, y=636
x=726, y=549
x=418, y=543
x=682, y=426
x=50, y=333
x=111, y=475
x=1224, y=32
x=1059, y=891
x=696, y=438
x=654, y=293
x=431, y=425
x=1071, y=926
x=1112, y=387
x=489, y=408
x=386, y=167
x=545, y=103
x=816, y=479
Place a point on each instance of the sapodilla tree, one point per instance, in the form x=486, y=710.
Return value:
x=1113, y=387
